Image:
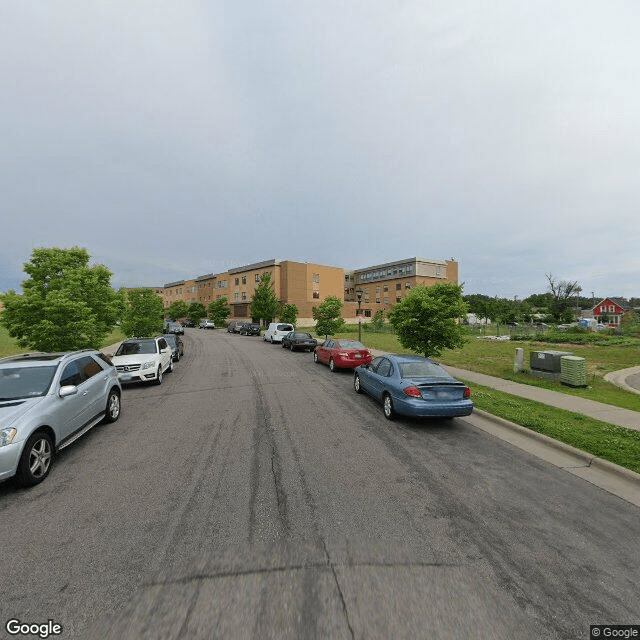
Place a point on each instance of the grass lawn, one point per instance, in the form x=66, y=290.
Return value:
x=495, y=358
x=9, y=347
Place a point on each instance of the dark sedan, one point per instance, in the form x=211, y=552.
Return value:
x=250, y=329
x=413, y=386
x=176, y=344
x=296, y=340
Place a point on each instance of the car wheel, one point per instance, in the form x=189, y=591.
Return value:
x=112, y=412
x=291, y=346
x=332, y=366
x=158, y=379
x=387, y=407
x=35, y=461
x=170, y=367
x=315, y=358
x=356, y=383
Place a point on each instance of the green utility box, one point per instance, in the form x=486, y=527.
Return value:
x=573, y=371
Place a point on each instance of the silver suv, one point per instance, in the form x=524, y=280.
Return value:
x=47, y=401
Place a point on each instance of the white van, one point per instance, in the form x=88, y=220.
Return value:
x=276, y=331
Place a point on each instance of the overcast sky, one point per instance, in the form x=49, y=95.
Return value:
x=175, y=139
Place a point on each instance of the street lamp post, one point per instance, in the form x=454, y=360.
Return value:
x=359, y=296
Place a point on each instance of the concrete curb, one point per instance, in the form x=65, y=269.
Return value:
x=619, y=378
x=588, y=458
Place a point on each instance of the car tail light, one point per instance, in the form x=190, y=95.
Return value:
x=414, y=392
x=344, y=354
x=467, y=392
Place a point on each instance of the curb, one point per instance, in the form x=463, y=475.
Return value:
x=588, y=458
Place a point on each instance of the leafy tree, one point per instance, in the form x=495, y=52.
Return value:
x=219, y=311
x=377, y=323
x=143, y=315
x=65, y=304
x=289, y=313
x=177, y=309
x=328, y=316
x=264, y=303
x=561, y=292
x=425, y=320
x=195, y=312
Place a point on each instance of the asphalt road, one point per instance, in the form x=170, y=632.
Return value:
x=255, y=495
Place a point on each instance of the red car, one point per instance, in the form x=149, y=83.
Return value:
x=342, y=354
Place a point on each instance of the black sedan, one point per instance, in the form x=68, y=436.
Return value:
x=296, y=340
x=176, y=344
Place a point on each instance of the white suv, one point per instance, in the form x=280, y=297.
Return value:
x=143, y=360
x=277, y=331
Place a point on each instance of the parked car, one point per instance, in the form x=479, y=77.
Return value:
x=298, y=340
x=413, y=386
x=47, y=401
x=234, y=326
x=174, y=327
x=143, y=359
x=342, y=353
x=250, y=329
x=276, y=331
x=176, y=344
x=207, y=324
x=188, y=323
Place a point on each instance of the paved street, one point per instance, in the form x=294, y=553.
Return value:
x=255, y=495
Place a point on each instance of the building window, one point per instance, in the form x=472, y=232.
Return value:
x=244, y=295
x=407, y=285
x=237, y=296
x=385, y=288
x=315, y=277
x=237, y=280
x=386, y=300
x=378, y=300
x=244, y=279
x=367, y=313
x=316, y=294
x=398, y=286
x=398, y=298
x=257, y=277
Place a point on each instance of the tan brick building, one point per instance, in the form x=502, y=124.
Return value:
x=307, y=284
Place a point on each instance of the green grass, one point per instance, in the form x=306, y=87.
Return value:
x=616, y=444
x=9, y=346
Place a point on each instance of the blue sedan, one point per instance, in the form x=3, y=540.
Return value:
x=413, y=386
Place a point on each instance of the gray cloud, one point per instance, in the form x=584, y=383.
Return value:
x=177, y=139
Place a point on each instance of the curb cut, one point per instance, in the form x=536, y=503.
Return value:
x=588, y=458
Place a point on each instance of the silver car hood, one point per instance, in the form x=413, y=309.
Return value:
x=12, y=410
x=136, y=358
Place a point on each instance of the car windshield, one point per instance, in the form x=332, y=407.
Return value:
x=284, y=327
x=25, y=382
x=171, y=339
x=422, y=369
x=303, y=336
x=133, y=348
x=350, y=344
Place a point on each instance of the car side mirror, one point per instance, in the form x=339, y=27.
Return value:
x=68, y=390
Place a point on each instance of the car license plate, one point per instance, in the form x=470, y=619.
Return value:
x=358, y=356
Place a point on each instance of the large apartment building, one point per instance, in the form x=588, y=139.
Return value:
x=307, y=284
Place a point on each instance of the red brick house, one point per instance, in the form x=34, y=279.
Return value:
x=610, y=311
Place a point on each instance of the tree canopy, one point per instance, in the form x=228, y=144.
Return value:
x=288, y=313
x=264, y=303
x=328, y=316
x=195, y=312
x=143, y=314
x=177, y=310
x=425, y=320
x=65, y=303
x=219, y=311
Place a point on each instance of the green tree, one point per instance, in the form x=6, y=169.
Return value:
x=425, y=320
x=377, y=323
x=195, y=312
x=65, y=303
x=289, y=313
x=264, y=303
x=143, y=315
x=177, y=309
x=328, y=316
x=219, y=311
